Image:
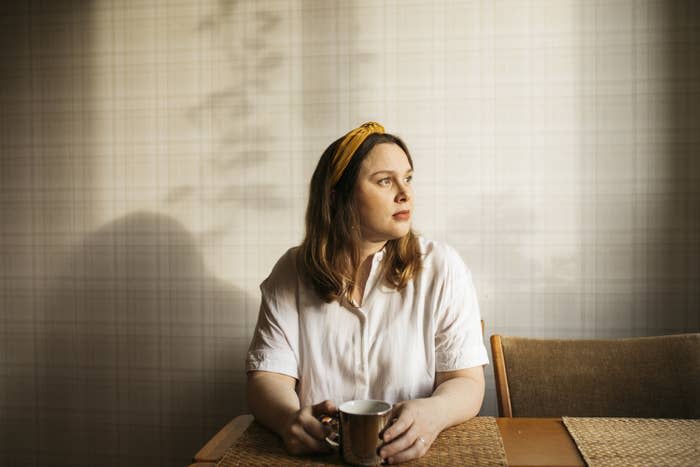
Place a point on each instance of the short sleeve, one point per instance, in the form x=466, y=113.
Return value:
x=458, y=339
x=275, y=342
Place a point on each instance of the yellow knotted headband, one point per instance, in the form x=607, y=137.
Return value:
x=349, y=145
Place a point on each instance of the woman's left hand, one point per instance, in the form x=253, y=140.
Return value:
x=416, y=426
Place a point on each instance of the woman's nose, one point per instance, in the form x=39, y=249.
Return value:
x=404, y=194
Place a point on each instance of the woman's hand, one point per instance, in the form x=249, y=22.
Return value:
x=457, y=397
x=303, y=433
x=416, y=426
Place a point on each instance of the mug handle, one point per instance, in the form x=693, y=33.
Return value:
x=333, y=422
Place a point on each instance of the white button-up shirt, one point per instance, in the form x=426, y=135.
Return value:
x=389, y=348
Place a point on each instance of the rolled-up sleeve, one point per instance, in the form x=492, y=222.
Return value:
x=458, y=339
x=274, y=346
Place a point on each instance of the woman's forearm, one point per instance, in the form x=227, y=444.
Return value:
x=459, y=395
x=272, y=398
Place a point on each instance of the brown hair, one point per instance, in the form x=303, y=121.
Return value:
x=329, y=255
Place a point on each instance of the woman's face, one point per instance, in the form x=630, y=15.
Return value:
x=383, y=193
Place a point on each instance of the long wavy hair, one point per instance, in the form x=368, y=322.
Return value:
x=329, y=256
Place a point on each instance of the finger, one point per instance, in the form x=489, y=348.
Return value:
x=326, y=407
x=307, y=442
x=392, y=419
x=313, y=426
x=416, y=450
x=398, y=427
x=400, y=444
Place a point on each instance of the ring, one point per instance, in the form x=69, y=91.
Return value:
x=420, y=438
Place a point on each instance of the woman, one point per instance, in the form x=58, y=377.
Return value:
x=365, y=309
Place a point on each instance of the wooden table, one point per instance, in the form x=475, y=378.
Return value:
x=528, y=442
x=538, y=442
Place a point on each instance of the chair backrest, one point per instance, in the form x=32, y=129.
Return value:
x=646, y=377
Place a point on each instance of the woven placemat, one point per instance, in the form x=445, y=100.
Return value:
x=636, y=441
x=475, y=442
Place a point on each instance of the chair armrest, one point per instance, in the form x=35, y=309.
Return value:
x=215, y=448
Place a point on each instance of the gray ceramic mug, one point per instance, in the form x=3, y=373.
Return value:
x=359, y=424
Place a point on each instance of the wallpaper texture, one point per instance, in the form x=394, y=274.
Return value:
x=155, y=158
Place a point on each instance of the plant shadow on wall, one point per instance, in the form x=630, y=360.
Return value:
x=242, y=127
x=142, y=359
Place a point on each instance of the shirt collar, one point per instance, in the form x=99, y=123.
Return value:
x=378, y=256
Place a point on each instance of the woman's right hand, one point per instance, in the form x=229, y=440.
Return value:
x=303, y=433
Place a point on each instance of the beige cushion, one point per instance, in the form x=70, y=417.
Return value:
x=652, y=377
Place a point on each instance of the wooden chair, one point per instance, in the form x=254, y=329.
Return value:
x=647, y=377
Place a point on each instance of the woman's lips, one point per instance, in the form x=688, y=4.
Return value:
x=402, y=215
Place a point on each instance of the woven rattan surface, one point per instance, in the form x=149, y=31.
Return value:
x=476, y=442
x=636, y=441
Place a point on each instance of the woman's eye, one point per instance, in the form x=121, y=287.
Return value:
x=385, y=181
x=409, y=179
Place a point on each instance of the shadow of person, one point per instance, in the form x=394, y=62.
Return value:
x=142, y=350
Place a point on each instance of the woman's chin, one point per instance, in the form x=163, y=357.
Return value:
x=393, y=233
x=402, y=231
